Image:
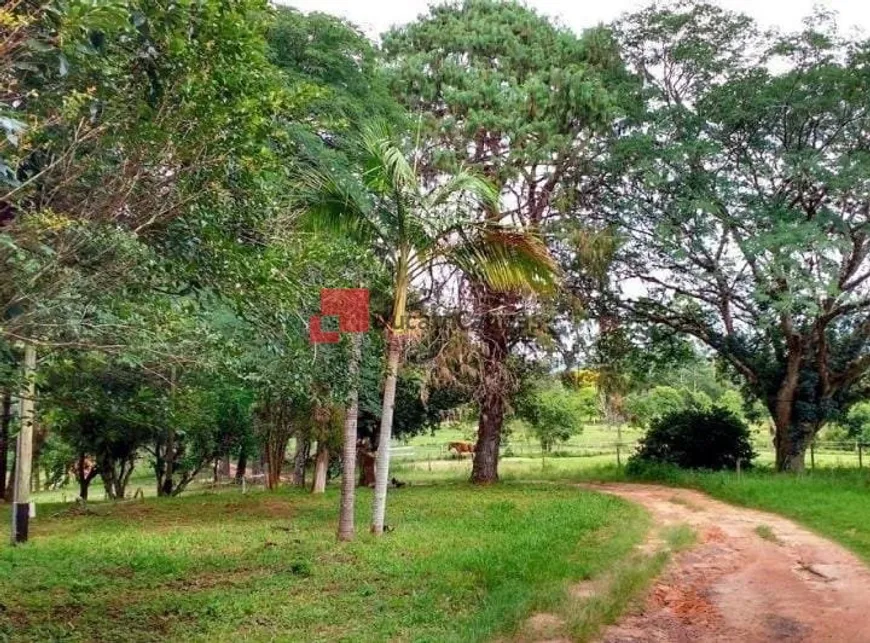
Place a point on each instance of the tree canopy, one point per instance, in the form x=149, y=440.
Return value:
x=743, y=206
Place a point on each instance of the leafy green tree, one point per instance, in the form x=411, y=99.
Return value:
x=503, y=91
x=658, y=401
x=589, y=402
x=102, y=411
x=129, y=116
x=337, y=63
x=554, y=413
x=742, y=205
x=645, y=406
x=858, y=422
x=120, y=119
x=733, y=402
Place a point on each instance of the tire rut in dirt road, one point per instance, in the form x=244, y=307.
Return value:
x=751, y=577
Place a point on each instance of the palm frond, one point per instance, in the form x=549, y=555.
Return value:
x=506, y=259
x=385, y=166
x=334, y=204
x=466, y=185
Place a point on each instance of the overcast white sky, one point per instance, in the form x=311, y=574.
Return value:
x=376, y=16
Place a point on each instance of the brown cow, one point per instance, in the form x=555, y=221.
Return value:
x=461, y=447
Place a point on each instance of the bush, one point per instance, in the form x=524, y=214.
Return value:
x=695, y=439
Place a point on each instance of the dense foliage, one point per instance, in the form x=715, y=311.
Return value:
x=645, y=223
x=743, y=204
x=696, y=439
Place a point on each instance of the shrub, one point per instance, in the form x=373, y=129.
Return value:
x=695, y=439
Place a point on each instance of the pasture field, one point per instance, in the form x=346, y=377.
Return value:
x=463, y=564
x=598, y=442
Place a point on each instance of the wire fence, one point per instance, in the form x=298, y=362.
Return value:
x=821, y=453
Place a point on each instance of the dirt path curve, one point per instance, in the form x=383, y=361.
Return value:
x=752, y=576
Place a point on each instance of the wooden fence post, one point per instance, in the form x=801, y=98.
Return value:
x=813, y=455
x=860, y=455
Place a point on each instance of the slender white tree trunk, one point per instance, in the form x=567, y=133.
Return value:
x=24, y=455
x=348, y=469
x=382, y=467
x=320, y=466
x=394, y=354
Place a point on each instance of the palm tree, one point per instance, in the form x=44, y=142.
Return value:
x=387, y=204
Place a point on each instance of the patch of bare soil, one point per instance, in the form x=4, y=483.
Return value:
x=735, y=585
x=545, y=628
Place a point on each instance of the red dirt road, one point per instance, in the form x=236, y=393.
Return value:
x=735, y=585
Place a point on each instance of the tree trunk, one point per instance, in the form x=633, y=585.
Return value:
x=24, y=457
x=348, y=459
x=395, y=335
x=224, y=468
x=10, y=488
x=278, y=431
x=84, y=487
x=382, y=466
x=494, y=392
x=791, y=443
x=116, y=474
x=169, y=464
x=5, y=421
x=241, y=465
x=321, y=465
x=300, y=458
x=83, y=477
x=792, y=437
x=366, y=463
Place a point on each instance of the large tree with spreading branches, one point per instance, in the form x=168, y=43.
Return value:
x=746, y=205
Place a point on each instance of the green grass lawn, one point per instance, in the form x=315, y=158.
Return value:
x=462, y=564
x=835, y=502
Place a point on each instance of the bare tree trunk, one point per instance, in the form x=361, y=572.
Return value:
x=5, y=421
x=276, y=450
x=494, y=392
x=321, y=465
x=300, y=458
x=24, y=458
x=382, y=466
x=792, y=437
x=348, y=460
